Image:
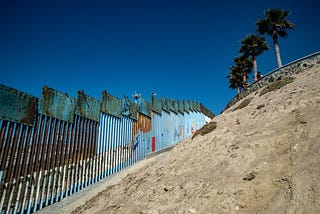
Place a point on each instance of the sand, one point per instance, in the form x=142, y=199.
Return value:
x=264, y=158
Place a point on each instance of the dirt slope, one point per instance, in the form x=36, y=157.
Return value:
x=263, y=158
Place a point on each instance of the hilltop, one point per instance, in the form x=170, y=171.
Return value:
x=262, y=156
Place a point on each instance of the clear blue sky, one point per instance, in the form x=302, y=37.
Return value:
x=178, y=49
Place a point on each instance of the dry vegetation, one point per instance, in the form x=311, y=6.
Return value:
x=207, y=128
x=277, y=85
x=244, y=103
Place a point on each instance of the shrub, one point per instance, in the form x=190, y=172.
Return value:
x=244, y=103
x=205, y=129
x=277, y=85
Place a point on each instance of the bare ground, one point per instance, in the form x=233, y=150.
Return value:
x=263, y=158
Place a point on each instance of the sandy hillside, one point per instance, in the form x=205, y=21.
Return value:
x=263, y=158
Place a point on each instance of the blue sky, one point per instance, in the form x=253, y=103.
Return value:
x=178, y=49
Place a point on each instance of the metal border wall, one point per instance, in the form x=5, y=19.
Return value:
x=55, y=146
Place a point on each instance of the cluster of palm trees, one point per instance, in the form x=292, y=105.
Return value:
x=275, y=24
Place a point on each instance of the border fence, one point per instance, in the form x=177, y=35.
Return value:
x=55, y=146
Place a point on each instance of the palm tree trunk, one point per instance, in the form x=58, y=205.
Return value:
x=255, y=67
x=276, y=48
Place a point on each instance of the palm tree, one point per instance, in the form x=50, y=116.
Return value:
x=244, y=65
x=235, y=79
x=275, y=24
x=252, y=46
x=238, y=75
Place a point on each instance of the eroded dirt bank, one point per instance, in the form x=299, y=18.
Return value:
x=263, y=158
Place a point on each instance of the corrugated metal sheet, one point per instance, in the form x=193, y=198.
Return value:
x=63, y=153
x=115, y=144
x=144, y=107
x=173, y=106
x=133, y=111
x=125, y=106
x=57, y=105
x=17, y=106
x=156, y=105
x=182, y=135
x=88, y=106
x=186, y=106
x=144, y=123
x=165, y=104
x=180, y=107
x=110, y=105
x=190, y=105
x=198, y=107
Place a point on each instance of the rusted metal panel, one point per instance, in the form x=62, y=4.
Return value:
x=88, y=107
x=195, y=105
x=110, y=105
x=156, y=105
x=180, y=107
x=198, y=107
x=17, y=106
x=144, y=123
x=125, y=106
x=57, y=105
x=173, y=106
x=206, y=111
x=191, y=105
x=144, y=107
x=186, y=106
x=133, y=111
x=165, y=104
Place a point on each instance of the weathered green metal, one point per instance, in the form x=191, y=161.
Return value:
x=17, y=106
x=156, y=105
x=186, y=106
x=144, y=107
x=198, y=107
x=173, y=106
x=133, y=111
x=191, y=105
x=206, y=111
x=57, y=105
x=88, y=107
x=165, y=104
x=125, y=106
x=180, y=107
x=110, y=104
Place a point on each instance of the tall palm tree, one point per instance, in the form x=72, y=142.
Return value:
x=238, y=74
x=252, y=46
x=275, y=24
x=235, y=78
x=244, y=64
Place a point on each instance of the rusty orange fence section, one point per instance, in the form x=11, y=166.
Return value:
x=54, y=146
